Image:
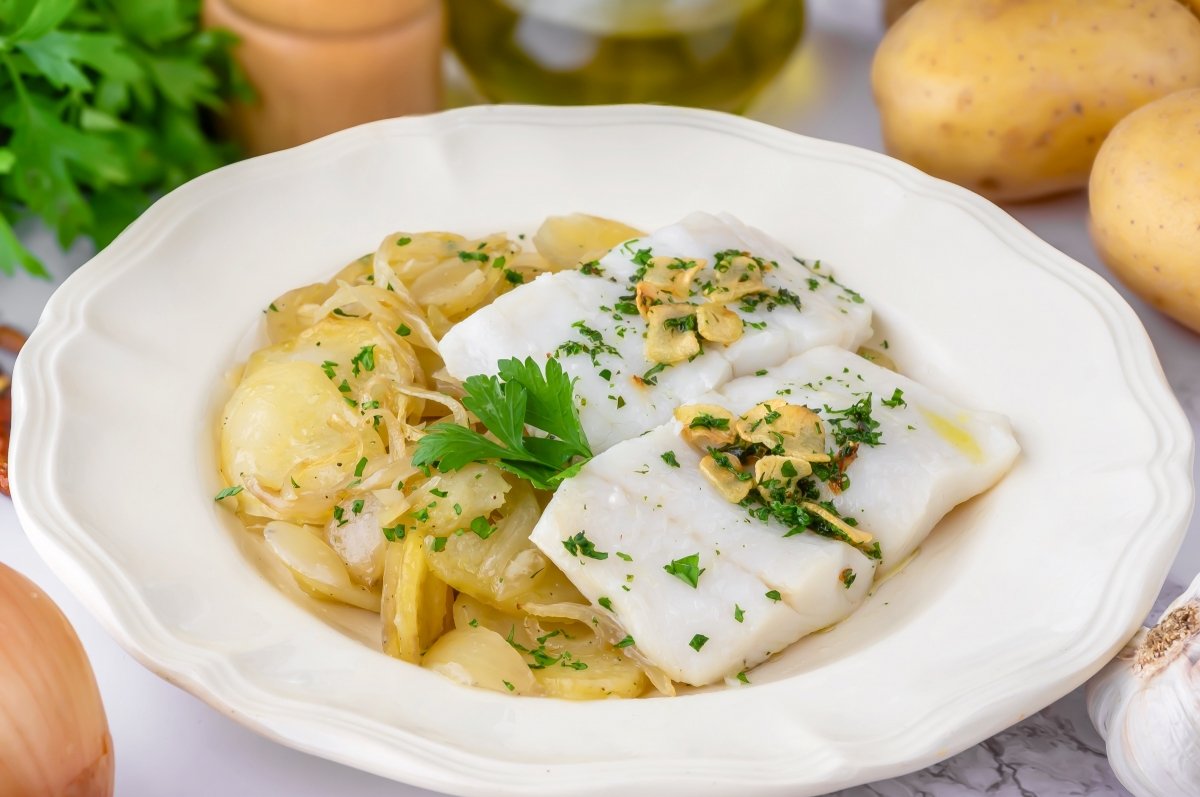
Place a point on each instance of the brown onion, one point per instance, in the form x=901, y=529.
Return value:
x=54, y=739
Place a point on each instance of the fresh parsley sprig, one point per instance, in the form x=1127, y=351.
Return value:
x=101, y=107
x=519, y=398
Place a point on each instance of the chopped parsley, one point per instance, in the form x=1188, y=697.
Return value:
x=228, y=492
x=684, y=323
x=854, y=424
x=847, y=577
x=592, y=268
x=360, y=467
x=626, y=642
x=739, y=613
x=508, y=685
x=357, y=506
x=478, y=257
x=394, y=533
x=593, y=349
x=580, y=545
x=625, y=556
x=897, y=399
x=706, y=421
x=774, y=595
x=328, y=367
x=605, y=602
x=741, y=676
x=405, y=241
x=482, y=528
x=404, y=330
x=512, y=276
x=651, y=376
x=697, y=642
x=687, y=570
x=364, y=360
x=669, y=458
x=439, y=493
x=439, y=544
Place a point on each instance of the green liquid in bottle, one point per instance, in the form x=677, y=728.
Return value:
x=707, y=53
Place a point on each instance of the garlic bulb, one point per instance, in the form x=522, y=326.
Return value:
x=1146, y=704
x=54, y=739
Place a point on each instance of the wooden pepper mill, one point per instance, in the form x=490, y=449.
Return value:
x=319, y=66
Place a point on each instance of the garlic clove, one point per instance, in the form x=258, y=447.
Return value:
x=1146, y=704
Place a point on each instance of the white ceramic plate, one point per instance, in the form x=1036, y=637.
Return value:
x=1016, y=598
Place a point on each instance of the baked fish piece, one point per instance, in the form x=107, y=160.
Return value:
x=761, y=513
x=770, y=307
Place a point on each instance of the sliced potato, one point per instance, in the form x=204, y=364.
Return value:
x=588, y=668
x=505, y=569
x=567, y=241
x=316, y=567
x=477, y=656
x=449, y=501
x=416, y=602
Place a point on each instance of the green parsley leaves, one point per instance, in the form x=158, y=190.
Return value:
x=580, y=545
x=897, y=399
x=520, y=396
x=228, y=492
x=687, y=570
x=670, y=458
x=697, y=642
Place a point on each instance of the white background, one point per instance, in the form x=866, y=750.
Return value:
x=169, y=743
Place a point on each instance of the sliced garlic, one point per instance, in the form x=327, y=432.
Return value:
x=647, y=296
x=738, y=276
x=795, y=427
x=671, y=336
x=775, y=471
x=730, y=480
x=706, y=425
x=717, y=323
x=672, y=275
x=856, y=536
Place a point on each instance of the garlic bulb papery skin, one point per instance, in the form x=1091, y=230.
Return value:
x=1146, y=704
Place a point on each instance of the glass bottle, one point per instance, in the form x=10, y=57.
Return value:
x=709, y=53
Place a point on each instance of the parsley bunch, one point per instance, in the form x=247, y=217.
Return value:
x=521, y=396
x=100, y=108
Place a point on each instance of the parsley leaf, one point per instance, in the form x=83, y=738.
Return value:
x=687, y=570
x=522, y=395
x=101, y=107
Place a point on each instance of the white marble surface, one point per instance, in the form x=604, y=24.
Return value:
x=169, y=743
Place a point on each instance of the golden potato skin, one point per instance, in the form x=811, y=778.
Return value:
x=1144, y=196
x=1012, y=98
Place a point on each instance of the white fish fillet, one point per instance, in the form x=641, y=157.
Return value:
x=629, y=501
x=931, y=456
x=536, y=319
x=934, y=453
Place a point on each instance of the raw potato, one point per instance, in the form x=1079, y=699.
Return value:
x=1145, y=204
x=1012, y=98
x=894, y=9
